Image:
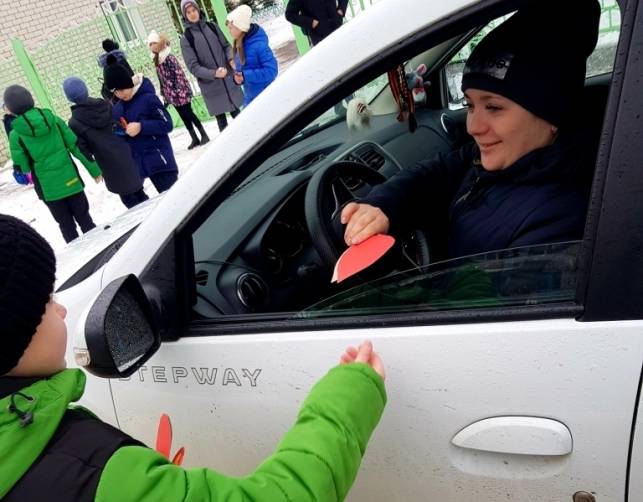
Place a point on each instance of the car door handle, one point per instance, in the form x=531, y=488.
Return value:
x=516, y=435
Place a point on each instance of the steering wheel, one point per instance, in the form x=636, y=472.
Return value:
x=328, y=191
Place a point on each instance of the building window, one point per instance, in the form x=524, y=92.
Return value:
x=124, y=20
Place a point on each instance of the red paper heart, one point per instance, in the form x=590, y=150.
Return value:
x=360, y=256
x=164, y=436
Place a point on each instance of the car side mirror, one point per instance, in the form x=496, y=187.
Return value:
x=120, y=330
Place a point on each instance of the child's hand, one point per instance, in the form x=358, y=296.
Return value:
x=98, y=179
x=238, y=78
x=133, y=129
x=364, y=354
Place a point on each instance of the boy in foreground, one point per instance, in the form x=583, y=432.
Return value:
x=51, y=451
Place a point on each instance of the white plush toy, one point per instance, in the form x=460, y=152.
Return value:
x=358, y=114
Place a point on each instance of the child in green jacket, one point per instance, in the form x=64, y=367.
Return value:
x=40, y=144
x=51, y=451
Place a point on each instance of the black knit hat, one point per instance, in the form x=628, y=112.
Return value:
x=18, y=99
x=537, y=57
x=109, y=45
x=116, y=76
x=27, y=276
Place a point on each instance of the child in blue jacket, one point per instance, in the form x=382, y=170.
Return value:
x=146, y=123
x=255, y=64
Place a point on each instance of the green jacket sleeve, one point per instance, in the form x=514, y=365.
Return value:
x=70, y=142
x=317, y=460
x=18, y=155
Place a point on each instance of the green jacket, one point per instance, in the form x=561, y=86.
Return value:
x=317, y=459
x=40, y=143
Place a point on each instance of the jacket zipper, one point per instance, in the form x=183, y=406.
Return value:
x=466, y=197
x=162, y=158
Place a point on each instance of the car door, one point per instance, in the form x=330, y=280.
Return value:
x=527, y=401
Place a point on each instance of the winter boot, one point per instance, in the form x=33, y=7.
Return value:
x=204, y=136
x=195, y=139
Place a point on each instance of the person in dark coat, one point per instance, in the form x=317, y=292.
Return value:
x=523, y=180
x=208, y=56
x=91, y=121
x=255, y=64
x=141, y=116
x=112, y=49
x=316, y=18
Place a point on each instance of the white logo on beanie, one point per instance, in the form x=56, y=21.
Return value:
x=493, y=65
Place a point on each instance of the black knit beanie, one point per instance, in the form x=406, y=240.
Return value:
x=109, y=45
x=537, y=57
x=116, y=76
x=27, y=276
x=18, y=99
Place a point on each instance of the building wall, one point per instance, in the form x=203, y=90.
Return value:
x=37, y=21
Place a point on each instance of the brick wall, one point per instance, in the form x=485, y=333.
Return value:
x=37, y=22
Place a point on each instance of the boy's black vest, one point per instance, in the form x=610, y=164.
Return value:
x=71, y=465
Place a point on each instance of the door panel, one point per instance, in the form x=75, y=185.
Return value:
x=230, y=399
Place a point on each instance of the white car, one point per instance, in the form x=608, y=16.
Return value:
x=526, y=394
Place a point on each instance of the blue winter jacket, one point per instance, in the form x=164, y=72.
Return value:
x=151, y=148
x=541, y=198
x=260, y=67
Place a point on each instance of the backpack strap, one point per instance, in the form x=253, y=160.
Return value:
x=189, y=36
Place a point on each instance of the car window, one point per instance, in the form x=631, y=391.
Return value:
x=532, y=275
x=267, y=251
x=599, y=62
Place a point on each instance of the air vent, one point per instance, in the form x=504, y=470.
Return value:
x=252, y=290
x=371, y=157
x=201, y=277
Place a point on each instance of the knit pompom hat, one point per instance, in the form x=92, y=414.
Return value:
x=116, y=76
x=27, y=276
x=109, y=45
x=240, y=17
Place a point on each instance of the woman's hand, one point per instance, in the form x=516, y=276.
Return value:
x=220, y=72
x=363, y=221
x=133, y=129
x=315, y=23
x=364, y=354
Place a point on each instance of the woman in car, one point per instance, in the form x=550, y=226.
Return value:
x=522, y=181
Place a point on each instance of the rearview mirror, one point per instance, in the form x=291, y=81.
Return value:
x=120, y=331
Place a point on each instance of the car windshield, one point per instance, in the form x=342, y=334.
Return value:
x=338, y=111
